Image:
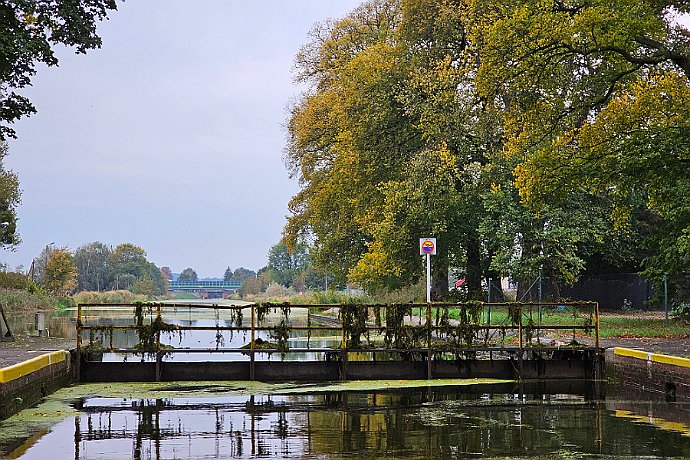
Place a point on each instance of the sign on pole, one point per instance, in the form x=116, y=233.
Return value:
x=427, y=246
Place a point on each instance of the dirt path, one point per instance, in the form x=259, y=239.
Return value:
x=675, y=347
x=26, y=347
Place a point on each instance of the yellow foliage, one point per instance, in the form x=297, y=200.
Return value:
x=60, y=272
x=374, y=268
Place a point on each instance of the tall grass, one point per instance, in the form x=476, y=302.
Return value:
x=18, y=301
x=275, y=293
x=121, y=296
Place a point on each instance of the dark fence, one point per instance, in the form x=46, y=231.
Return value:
x=625, y=291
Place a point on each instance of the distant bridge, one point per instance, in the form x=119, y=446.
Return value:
x=205, y=287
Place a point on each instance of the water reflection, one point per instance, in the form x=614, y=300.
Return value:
x=412, y=423
x=59, y=324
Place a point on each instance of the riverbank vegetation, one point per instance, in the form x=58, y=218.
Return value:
x=25, y=302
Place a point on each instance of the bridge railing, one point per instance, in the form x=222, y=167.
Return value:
x=416, y=332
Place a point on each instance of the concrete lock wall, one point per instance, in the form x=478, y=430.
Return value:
x=23, y=385
x=669, y=375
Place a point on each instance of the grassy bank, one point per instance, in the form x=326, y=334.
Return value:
x=642, y=324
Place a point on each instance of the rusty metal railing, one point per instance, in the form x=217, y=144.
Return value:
x=403, y=331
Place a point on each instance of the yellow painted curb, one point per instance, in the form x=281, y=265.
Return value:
x=7, y=374
x=654, y=357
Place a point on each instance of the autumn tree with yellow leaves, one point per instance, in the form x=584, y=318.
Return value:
x=526, y=137
x=60, y=274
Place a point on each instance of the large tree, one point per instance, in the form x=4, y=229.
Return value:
x=93, y=262
x=285, y=265
x=241, y=274
x=347, y=135
x=388, y=149
x=129, y=265
x=60, y=276
x=188, y=275
x=9, y=200
x=596, y=99
x=28, y=31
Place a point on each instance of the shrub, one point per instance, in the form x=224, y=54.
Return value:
x=407, y=294
x=278, y=291
x=13, y=280
x=681, y=310
x=18, y=301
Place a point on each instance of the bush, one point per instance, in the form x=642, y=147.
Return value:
x=18, y=301
x=337, y=297
x=407, y=294
x=12, y=280
x=681, y=310
x=278, y=291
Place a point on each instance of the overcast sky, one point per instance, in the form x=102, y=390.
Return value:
x=169, y=137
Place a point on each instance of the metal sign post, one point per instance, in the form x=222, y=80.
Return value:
x=427, y=246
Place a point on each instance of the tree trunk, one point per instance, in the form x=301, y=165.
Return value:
x=474, y=267
x=555, y=288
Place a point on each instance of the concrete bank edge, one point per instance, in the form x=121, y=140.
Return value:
x=24, y=384
x=16, y=371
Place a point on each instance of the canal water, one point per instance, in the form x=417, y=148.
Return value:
x=357, y=419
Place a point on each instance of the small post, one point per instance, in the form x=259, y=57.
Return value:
x=343, y=347
x=252, y=374
x=40, y=323
x=540, y=293
x=598, y=362
x=6, y=337
x=488, y=303
x=596, y=324
x=159, y=356
x=665, y=299
x=77, y=366
x=520, y=364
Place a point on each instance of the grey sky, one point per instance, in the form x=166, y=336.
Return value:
x=170, y=136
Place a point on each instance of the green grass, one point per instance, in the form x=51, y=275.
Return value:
x=641, y=326
x=633, y=324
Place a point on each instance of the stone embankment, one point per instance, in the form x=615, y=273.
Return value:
x=26, y=383
x=648, y=371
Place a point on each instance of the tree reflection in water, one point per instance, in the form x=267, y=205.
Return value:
x=411, y=423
